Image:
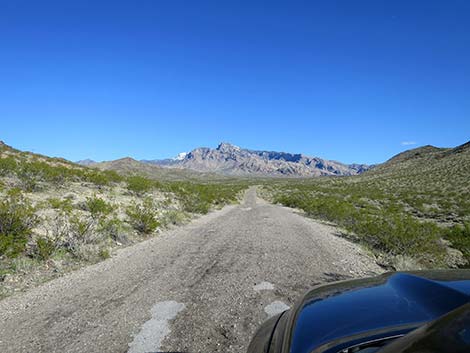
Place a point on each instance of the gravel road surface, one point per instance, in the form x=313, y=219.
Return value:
x=204, y=287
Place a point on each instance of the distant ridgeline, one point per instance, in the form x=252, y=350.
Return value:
x=232, y=160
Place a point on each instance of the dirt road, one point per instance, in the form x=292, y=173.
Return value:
x=204, y=287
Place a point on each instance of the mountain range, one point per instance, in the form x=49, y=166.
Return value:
x=230, y=160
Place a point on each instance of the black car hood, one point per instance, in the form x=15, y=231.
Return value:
x=392, y=304
x=450, y=333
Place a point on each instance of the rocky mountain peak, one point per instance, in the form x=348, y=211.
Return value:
x=227, y=147
x=86, y=162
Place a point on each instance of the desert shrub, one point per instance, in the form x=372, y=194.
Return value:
x=97, y=207
x=64, y=205
x=58, y=228
x=7, y=166
x=89, y=252
x=142, y=216
x=76, y=234
x=57, y=175
x=401, y=235
x=82, y=229
x=173, y=217
x=198, y=198
x=195, y=204
x=386, y=229
x=97, y=177
x=45, y=247
x=104, y=253
x=139, y=184
x=112, y=176
x=113, y=228
x=459, y=236
x=28, y=179
x=17, y=220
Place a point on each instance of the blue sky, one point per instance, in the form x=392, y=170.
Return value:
x=344, y=80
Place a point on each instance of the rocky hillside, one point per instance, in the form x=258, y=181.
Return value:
x=232, y=160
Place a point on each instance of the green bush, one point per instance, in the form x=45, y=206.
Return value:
x=17, y=219
x=401, y=235
x=112, y=176
x=104, y=253
x=195, y=204
x=28, y=179
x=459, y=236
x=97, y=207
x=142, y=216
x=198, y=198
x=58, y=204
x=8, y=165
x=97, y=177
x=386, y=228
x=113, y=228
x=45, y=247
x=173, y=217
x=139, y=184
x=81, y=229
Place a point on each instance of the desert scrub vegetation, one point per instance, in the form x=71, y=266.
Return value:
x=416, y=205
x=384, y=224
x=142, y=216
x=97, y=207
x=140, y=184
x=56, y=216
x=60, y=204
x=17, y=219
x=173, y=217
x=33, y=172
x=194, y=197
x=199, y=198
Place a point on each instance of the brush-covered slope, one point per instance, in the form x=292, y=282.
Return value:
x=56, y=215
x=413, y=210
x=436, y=177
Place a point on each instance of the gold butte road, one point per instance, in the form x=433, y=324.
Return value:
x=204, y=287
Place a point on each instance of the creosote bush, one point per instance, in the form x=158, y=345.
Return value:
x=142, y=216
x=64, y=205
x=173, y=217
x=97, y=207
x=45, y=247
x=459, y=236
x=114, y=228
x=139, y=184
x=393, y=220
x=199, y=198
x=17, y=219
x=8, y=166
